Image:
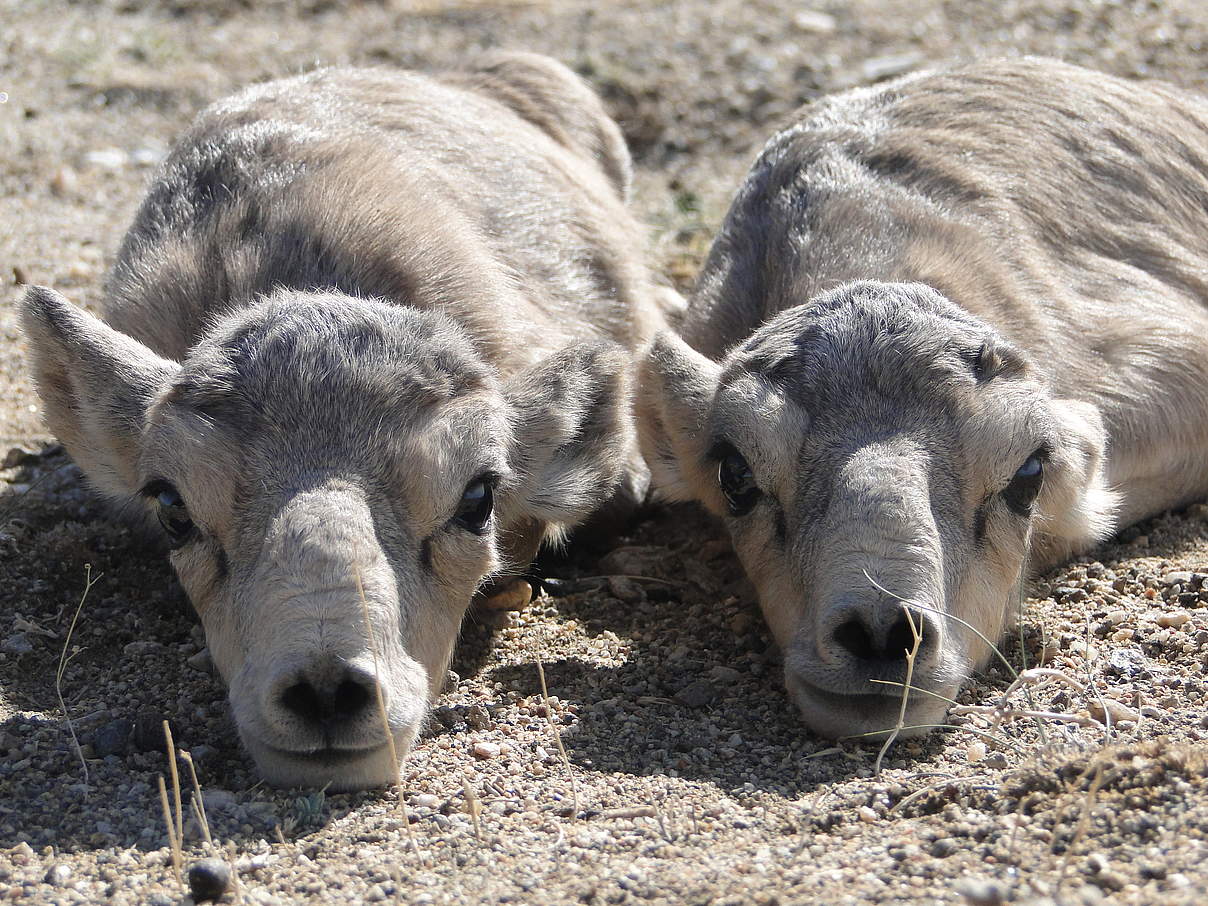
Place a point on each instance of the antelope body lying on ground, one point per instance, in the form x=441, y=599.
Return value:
x=369, y=331
x=952, y=328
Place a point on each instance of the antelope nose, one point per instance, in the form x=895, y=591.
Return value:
x=881, y=634
x=329, y=695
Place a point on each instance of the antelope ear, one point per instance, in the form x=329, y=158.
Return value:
x=572, y=434
x=96, y=385
x=676, y=390
x=1077, y=506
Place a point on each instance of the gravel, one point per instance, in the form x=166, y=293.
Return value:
x=686, y=775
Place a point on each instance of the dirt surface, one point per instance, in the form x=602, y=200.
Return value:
x=686, y=776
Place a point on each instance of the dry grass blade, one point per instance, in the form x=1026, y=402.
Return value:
x=173, y=840
x=172, y=769
x=549, y=716
x=473, y=805
x=911, y=654
x=199, y=805
x=381, y=704
x=89, y=581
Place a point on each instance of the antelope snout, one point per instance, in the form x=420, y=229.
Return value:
x=848, y=676
x=327, y=697
x=329, y=719
x=877, y=634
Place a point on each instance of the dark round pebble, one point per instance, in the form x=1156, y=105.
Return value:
x=148, y=735
x=112, y=738
x=209, y=879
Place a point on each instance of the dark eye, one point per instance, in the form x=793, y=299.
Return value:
x=477, y=501
x=1021, y=493
x=172, y=512
x=737, y=482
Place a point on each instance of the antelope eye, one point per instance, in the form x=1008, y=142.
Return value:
x=172, y=513
x=736, y=481
x=477, y=502
x=1024, y=486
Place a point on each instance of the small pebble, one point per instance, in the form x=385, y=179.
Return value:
x=219, y=801
x=814, y=23
x=1173, y=620
x=202, y=661
x=876, y=69
x=980, y=892
x=112, y=738
x=867, y=814
x=209, y=879
x=57, y=875
x=426, y=800
x=975, y=752
x=723, y=674
x=696, y=694
x=1118, y=711
x=202, y=754
x=64, y=182
x=485, y=750
x=943, y=847
x=107, y=158
x=140, y=647
x=625, y=589
x=479, y=718
x=17, y=644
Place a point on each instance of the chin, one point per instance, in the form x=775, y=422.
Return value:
x=335, y=770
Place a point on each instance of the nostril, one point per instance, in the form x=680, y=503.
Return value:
x=892, y=643
x=351, y=697
x=900, y=641
x=854, y=638
x=343, y=697
x=302, y=700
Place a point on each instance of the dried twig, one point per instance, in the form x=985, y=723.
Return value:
x=180, y=818
x=173, y=841
x=473, y=805
x=89, y=581
x=911, y=654
x=199, y=806
x=549, y=716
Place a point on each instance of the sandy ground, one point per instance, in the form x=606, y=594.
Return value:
x=686, y=776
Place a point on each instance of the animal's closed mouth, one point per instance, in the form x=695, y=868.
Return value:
x=878, y=696
x=328, y=755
